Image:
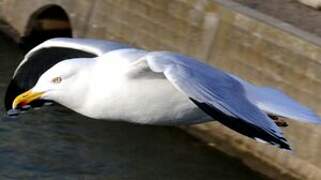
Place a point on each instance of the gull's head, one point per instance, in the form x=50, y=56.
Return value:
x=62, y=83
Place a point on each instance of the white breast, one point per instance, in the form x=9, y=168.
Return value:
x=147, y=101
x=142, y=100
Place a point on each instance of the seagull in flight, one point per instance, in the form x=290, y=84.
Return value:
x=113, y=81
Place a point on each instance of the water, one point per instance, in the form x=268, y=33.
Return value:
x=55, y=143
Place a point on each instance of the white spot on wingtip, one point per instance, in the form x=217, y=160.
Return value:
x=260, y=140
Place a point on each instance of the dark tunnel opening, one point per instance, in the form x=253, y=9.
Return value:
x=48, y=22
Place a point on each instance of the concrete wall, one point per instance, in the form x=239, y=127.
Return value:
x=256, y=47
x=187, y=23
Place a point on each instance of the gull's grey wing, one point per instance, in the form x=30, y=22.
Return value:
x=50, y=52
x=218, y=94
x=277, y=103
x=123, y=56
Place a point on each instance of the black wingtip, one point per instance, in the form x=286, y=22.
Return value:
x=285, y=146
x=243, y=127
x=13, y=90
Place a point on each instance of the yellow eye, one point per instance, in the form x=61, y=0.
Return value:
x=56, y=80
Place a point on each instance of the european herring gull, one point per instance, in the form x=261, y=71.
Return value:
x=112, y=81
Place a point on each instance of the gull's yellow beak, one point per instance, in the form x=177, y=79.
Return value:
x=25, y=98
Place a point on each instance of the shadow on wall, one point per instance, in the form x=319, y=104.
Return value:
x=47, y=22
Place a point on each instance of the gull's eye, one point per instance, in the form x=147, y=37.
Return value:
x=56, y=80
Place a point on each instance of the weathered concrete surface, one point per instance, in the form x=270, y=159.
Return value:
x=313, y=3
x=256, y=47
x=137, y=22
x=289, y=11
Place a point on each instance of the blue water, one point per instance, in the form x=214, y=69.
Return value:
x=55, y=143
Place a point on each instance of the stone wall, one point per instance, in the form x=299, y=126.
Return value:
x=256, y=47
x=313, y=3
x=183, y=26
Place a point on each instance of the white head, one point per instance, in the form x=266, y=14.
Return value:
x=64, y=83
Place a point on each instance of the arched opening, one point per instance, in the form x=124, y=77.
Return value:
x=47, y=22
